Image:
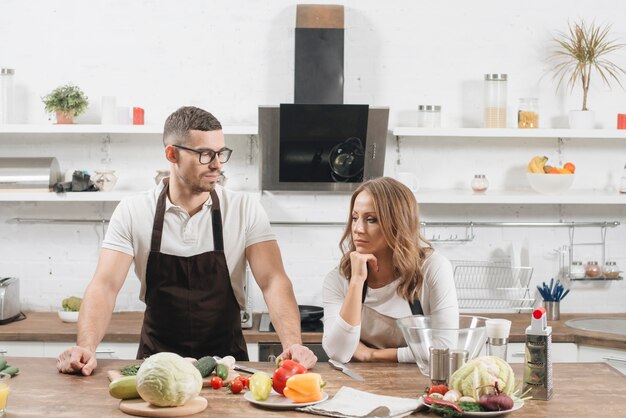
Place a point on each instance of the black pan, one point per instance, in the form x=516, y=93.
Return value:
x=309, y=313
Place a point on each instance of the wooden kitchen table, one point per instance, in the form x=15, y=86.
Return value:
x=581, y=390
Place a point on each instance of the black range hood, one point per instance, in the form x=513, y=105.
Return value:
x=318, y=143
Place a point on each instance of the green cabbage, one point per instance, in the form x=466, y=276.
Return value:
x=475, y=377
x=167, y=379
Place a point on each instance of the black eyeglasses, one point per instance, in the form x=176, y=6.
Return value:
x=206, y=156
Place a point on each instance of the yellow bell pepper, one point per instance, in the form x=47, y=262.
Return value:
x=302, y=388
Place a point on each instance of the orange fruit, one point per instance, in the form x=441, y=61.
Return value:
x=554, y=171
x=570, y=167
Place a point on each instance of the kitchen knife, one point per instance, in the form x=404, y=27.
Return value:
x=245, y=369
x=343, y=368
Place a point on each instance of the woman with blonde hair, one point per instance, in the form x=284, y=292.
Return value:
x=388, y=271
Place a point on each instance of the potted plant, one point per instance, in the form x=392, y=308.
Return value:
x=581, y=51
x=67, y=101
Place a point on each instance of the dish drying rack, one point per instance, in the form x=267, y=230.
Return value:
x=492, y=285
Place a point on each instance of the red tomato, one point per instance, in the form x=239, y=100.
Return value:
x=236, y=386
x=244, y=380
x=216, y=382
x=442, y=389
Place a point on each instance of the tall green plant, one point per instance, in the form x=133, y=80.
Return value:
x=68, y=99
x=580, y=51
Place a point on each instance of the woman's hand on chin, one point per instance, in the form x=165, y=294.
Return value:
x=359, y=263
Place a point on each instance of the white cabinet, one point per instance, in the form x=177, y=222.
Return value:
x=613, y=356
x=561, y=352
x=22, y=348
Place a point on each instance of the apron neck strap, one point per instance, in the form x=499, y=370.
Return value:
x=157, y=226
x=216, y=215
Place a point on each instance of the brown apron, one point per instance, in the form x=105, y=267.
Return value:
x=382, y=331
x=191, y=308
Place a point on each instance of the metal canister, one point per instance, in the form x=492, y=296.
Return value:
x=457, y=359
x=439, y=365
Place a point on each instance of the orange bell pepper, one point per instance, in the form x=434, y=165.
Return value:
x=305, y=387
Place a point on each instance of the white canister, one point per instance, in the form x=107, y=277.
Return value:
x=6, y=95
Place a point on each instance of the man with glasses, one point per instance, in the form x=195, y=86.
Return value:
x=189, y=239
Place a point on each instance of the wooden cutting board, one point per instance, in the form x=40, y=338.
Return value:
x=114, y=374
x=141, y=408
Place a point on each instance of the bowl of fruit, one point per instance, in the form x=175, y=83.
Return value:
x=547, y=179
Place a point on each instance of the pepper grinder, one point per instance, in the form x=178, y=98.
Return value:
x=439, y=366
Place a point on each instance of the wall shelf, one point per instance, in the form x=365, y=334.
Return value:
x=452, y=196
x=596, y=279
x=109, y=129
x=65, y=197
x=508, y=133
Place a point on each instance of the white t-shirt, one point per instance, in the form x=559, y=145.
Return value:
x=437, y=297
x=244, y=223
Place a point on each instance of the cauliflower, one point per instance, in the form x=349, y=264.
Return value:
x=476, y=376
x=71, y=304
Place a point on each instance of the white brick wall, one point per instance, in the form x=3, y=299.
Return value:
x=231, y=57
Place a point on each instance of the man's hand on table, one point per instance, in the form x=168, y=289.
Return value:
x=77, y=360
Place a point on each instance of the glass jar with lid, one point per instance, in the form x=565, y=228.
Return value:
x=577, y=270
x=6, y=95
x=528, y=113
x=495, y=101
x=479, y=183
x=429, y=116
x=592, y=269
x=610, y=270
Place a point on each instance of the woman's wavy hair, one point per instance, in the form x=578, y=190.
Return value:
x=398, y=216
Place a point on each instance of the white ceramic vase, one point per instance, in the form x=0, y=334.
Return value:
x=582, y=119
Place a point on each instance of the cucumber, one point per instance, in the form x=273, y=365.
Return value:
x=222, y=371
x=3, y=363
x=124, y=387
x=206, y=365
x=10, y=370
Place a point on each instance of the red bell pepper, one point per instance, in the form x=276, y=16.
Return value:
x=285, y=370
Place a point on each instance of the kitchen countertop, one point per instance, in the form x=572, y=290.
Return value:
x=580, y=390
x=126, y=326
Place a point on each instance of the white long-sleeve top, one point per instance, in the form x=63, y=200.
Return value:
x=437, y=297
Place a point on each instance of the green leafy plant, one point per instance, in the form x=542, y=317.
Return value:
x=581, y=50
x=68, y=99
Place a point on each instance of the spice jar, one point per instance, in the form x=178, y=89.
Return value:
x=577, y=270
x=592, y=269
x=528, y=114
x=479, y=183
x=429, y=116
x=495, y=101
x=610, y=270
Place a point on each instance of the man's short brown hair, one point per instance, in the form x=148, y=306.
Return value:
x=185, y=119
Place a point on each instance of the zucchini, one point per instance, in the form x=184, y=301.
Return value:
x=124, y=387
x=206, y=365
x=222, y=371
x=10, y=370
